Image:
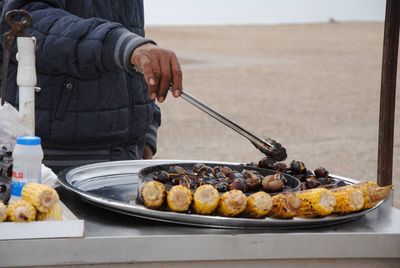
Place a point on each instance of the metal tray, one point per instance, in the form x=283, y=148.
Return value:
x=113, y=186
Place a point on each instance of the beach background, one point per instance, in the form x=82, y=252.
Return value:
x=305, y=73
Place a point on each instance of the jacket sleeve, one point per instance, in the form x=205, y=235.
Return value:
x=80, y=47
x=151, y=135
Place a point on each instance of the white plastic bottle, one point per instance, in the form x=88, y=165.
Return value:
x=27, y=163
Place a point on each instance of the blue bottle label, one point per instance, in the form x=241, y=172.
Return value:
x=16, y=188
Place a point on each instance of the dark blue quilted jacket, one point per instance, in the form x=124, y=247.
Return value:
x=92, y=105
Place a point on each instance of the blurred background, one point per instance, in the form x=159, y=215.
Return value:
x=305, y=73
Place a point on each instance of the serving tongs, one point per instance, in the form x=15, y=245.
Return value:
x=19, y=21
x=268, y=146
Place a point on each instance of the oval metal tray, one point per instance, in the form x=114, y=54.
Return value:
x=113, y=185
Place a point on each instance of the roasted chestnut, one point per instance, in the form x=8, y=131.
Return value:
x=236, y=175
x=312, y=182
x=161, y=176
x=325, y=180
x=222, y=186
x=197, y=167
x=266, y=162
x=177, y=178
x=321, y=172
x=272, y=183
x=238, y=184
x=223, y=169
x=177, y=170
x=251, y=179
x=298, y=167
x=280, y=166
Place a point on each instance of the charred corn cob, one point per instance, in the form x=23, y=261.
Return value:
x=205, y=199
x=258, y=205
x=3, y=212
x=21, y=211
x=41, y=196
x=285, y=206
x=348, y=199
x=153, y=194
x=232, y=203
x=316, y=202
x=372, y=193
x=179, y=198
x=54, y=214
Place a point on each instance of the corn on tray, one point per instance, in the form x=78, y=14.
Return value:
x=114, y=185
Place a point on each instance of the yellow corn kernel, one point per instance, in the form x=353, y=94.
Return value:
x=3, y=212
x=316, y=202
x=41, y=196
x=21, y=211
x=285, y=206
x=232, y=203
x=258, y=205
x=55, y=214
x=153, y=194
x=205, y=199
x=179, y=198
x=348, y=199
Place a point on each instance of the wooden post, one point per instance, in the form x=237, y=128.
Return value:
x=388, y=92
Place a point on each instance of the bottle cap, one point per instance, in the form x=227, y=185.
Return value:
x=28, y=140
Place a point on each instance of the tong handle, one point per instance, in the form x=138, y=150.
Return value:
x=18, y=20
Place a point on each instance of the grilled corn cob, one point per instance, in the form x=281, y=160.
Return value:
x=285, y=206
x=258, y=205
x=316, y=202
x=20, y=211
x=41, y=196
x=179, y=198
x=205, y=199
x=3, y=212
x=348, y=199
x=232, y=203
x=372, y=193
x=54, y=214
x=153, y=194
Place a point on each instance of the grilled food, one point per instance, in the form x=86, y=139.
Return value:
x=54, y=214
x=285, y=206
x=206, y=199
x=348, y=199
x=3, y=212
x=316, y=202
x=21, y=211
x=372, y=192
x=179, y=198
x=153, y=194
x=258, y=205
x=232, y=203
x=41, y=196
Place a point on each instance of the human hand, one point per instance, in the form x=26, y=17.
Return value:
x=160, y=68
x=147, y=152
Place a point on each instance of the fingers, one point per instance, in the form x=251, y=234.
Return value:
x=147, y=69
x=160, y=68
x=176, y=76
x=165, y=77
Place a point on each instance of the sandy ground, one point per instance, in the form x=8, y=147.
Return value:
x=314, y=88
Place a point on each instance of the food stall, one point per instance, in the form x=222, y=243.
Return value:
x=111, y=236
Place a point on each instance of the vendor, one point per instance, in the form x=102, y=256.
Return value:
x=94, y=104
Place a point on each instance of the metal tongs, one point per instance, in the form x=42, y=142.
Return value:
x=268, y=146
x=19, y=21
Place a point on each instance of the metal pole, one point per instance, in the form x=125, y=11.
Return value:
x=388, y=92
